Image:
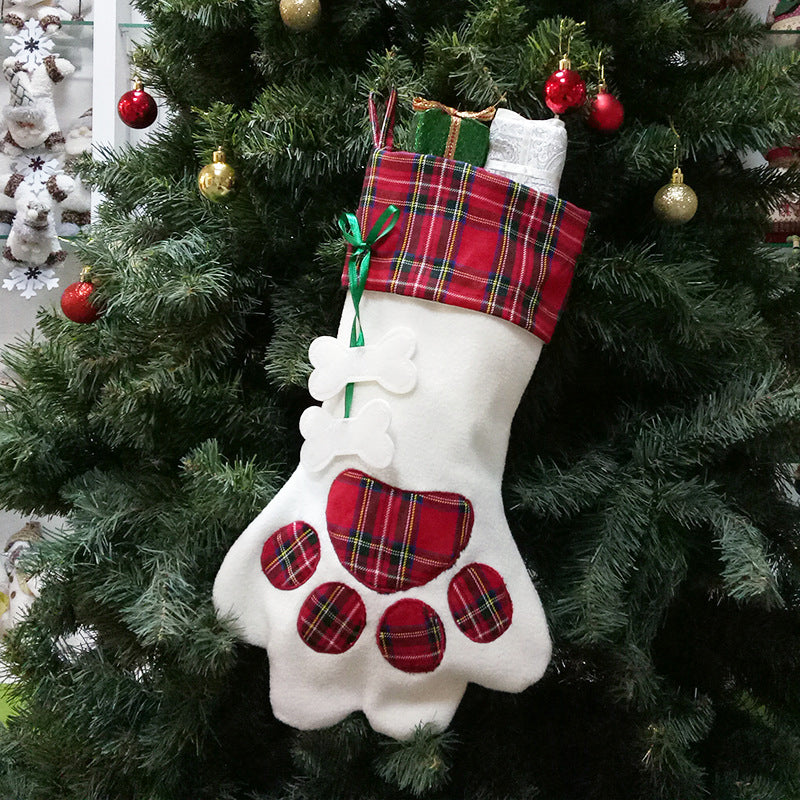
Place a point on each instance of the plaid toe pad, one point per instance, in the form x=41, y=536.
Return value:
x=392, y=539
x=331, y=618
x=290, y=556
x=411, y=636
x=480, y=603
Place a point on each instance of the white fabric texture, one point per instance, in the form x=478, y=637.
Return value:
x=31, y=115
x=439, y=399
x=529, y=151
x=450, y=434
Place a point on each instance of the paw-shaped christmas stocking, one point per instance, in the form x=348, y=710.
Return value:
x=383, y=576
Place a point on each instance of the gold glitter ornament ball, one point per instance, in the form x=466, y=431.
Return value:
x=217, y=180
x=675, y=203
x=300, y=15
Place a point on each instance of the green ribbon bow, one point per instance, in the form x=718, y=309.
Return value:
x=358, y=270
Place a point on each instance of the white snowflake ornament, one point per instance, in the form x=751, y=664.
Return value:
x=30, y=279
x=37, y=168
x=31, y=44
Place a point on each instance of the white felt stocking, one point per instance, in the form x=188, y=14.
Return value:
x=383, y=576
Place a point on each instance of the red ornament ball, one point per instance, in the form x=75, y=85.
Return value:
x=606, y=113
x=564, y=89
x=75, y=302
x=136, y=108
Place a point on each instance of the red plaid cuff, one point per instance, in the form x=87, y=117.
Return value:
x=470, y=238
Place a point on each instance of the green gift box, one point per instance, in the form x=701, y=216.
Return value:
x=443, y=131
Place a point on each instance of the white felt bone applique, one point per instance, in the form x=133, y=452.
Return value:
x=388, y=363
x=364, y=436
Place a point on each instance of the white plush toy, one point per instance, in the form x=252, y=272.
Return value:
x=75, y=209
x=31, y=115
x=77, y=9
x=18, y=589
x=16, y=14
x=33, y=238
x=79, y=137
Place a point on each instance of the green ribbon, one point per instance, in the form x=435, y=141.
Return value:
x=358, y=270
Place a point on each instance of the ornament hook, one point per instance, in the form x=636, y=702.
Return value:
x=602, y=69
x=676, y=162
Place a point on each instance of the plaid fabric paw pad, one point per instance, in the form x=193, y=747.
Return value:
x=290, y=556
x=480, y=603
x=332, y=618
x=389, y=539
x=411, y=636
x=393, y=539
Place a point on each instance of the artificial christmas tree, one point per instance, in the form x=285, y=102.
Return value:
x=646, y=483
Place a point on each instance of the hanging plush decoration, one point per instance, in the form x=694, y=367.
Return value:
x=383, y=576
x=31, y=115
x=34, y=168
x=33, y=238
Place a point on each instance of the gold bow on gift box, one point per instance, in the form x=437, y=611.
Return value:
x=487, y=115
